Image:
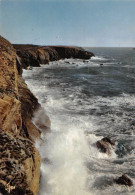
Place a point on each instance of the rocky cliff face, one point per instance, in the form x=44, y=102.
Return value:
x=33, y=55
x=19, y=159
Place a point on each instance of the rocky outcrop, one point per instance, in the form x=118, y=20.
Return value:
x=105, y=145
x=33, y=55
x=19, y=159
x=74, y=52
x=124, y=180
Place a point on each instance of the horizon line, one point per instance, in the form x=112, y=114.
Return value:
x=73, y=45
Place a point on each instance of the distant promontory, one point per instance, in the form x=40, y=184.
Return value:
x=34, y=55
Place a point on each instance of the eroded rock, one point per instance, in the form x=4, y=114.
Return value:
x=19, y=163
x=105, y=145
x=124, y=180
x=34, y=55
x=19, y=159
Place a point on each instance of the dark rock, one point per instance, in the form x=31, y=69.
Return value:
x=19, y=65
x=101, y=64
x=43, y=56
x=33, y=55
x=28, y=58
x=124, y=180
x=105, y=145
x=74, y=52
x=108, y=140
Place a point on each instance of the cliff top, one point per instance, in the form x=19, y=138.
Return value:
x=31, y=46
x=4, y=43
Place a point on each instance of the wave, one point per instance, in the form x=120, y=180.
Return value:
x=71, y=163
x=98, y=58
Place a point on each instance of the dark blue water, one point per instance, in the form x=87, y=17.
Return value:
x=87, y=100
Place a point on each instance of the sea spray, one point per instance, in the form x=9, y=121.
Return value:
x=69, y=150
x=41, y=120
x=65, y=153
x=83, y=108
x=64, y=173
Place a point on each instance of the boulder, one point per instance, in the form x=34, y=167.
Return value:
x=124, y=180
x=105, y=145
x=108, y=140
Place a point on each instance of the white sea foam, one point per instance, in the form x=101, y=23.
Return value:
x=71, y=163
x=67, y=149
x=98, y=58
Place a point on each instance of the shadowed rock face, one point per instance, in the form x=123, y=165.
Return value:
x=74, y=52
x=19, y=159
x=33, y=55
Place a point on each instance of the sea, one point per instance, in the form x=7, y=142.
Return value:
x=86, y=100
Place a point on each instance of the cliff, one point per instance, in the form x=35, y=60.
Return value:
x=19, y=159
x=34, y=55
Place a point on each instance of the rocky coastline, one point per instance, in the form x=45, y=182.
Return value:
x=33, y=55
x=19, y=159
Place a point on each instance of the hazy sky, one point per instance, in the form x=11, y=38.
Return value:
x=69, y=22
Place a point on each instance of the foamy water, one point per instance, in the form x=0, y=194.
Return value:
x=71, y=163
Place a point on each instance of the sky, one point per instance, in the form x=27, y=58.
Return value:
x=92, y=23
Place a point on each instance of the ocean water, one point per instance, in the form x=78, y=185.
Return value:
x=86, y=100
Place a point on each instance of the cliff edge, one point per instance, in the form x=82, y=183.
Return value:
x=34, y=55
x=19, y=159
